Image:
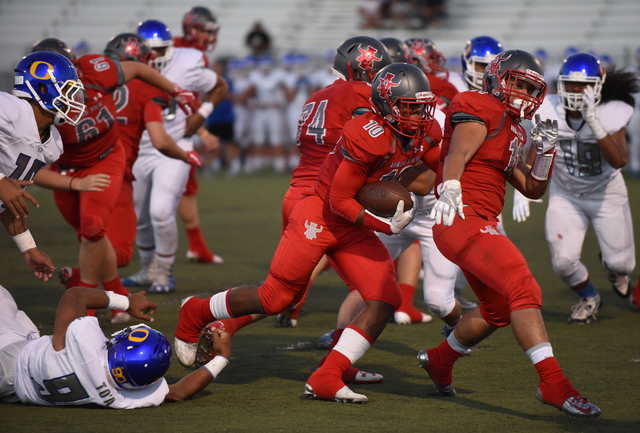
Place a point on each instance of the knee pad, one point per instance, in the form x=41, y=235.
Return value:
x=276, y=295
x=124, y=253
x=93, y=228
x=572, y=272
x=526, y=293
x=440, y=301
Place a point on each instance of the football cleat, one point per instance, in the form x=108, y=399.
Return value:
x=585, y=310
x=446, y=331
x=325, y=340
x=204, y=351
x=402, y=318
x=621, y=284
x=202, y=258
x=359, y=377
x=444, y=390
x=344, y=395
x=120, y=318
x=185, y=351
x=575, y=405
x=144, y=277
x=164, y=281
x=286, y=322
x=68, y=278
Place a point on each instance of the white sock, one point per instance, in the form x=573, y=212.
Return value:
x=218, y=305
x=352, y=345
x=540, y=352
x=455, y=344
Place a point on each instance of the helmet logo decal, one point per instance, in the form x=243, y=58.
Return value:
x=386, y=84
x=367, y=57
x=142, y=335
x=132, y=47
x=419, y=47
x=494, y=66
x=35, y=65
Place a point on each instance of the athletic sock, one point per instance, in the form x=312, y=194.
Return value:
x=442, y=358
x=198, y=245
x=234, y=325
x=407, y=303
x=327, y=381
x=74, y=278
x=195, y=314
x=588, y=292
x=554, y=386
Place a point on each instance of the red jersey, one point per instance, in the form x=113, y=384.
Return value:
x=444, y=91
x=137, y=103
x=181, y=42
x=485, y=175
x=97, y=131
x=320, y=126
x=366, y=152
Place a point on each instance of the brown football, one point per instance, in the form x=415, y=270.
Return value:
x=381, y=197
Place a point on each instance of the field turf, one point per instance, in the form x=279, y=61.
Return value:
x=262, y=388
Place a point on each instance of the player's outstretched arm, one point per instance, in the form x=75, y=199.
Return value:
x=12, y=195
x=195, y=382
x=214, y=97
x=75, y=301
x=52, y=180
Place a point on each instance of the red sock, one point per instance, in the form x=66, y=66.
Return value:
x=295, y=313
x=90, y=312
x=441, y=360
x=554, y=385
x=198, y=245
x=328, y=380
x=74, y=279
x=234, y=325
x=115, y=286
x=407, y=303
x=195, y=314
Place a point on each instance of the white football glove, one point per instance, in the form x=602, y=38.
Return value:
x=521, y=206
x=589, y=112
x=401, y=219
x=544, y=135
x=450, y=202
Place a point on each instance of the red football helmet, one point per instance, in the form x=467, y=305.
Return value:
x=425, y=54
x=200, y=26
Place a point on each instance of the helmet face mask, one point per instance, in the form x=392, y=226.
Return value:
x=359, y=59
x=402, y=96
x=51, y=80
x=506, y=78
x=579, y=68
x=425, y=55
x=137, y=356
x=159, y=38
x=476, y=56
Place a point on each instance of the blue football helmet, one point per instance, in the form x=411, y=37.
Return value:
x=159, y=38
x=137, y=356
x=52, y=81
x=581, y=68
x=479, y=50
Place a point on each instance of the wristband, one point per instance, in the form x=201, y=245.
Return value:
x=70, y=183
x=117, y=302
x=216, y=365
x=542, y=167
x=1, y=176
x=597, y=129
x=206, y=109
x=24, y=241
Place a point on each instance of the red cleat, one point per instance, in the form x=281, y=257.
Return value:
x=205, y=352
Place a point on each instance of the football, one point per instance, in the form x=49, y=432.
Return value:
x=381, y=197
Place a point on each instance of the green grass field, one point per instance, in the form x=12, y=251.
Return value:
x=262, y=388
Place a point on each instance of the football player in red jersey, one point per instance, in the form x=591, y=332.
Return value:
x=323, y=116
x=200, y=28
x=92, y=146
x=384, y=144
x=425, y=55
x=480, y=152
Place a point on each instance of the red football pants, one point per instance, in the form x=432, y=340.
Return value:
x=191, y=188
x=88, y=212
x=497, y=272
x=357, y=253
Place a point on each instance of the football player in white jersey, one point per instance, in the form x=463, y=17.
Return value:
x=78, y=365
x=160, y=181
x=593, y=109
x=47, y=92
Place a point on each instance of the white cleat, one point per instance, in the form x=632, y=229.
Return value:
x=164, y=281
x=344, y=395
x=402, y=318
x=120, y=318
x=186, y=352
x=194, y=256
x=585, y=310
x=144, y=277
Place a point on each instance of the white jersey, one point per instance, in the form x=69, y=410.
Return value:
x=22, y=154
x=459, y=82
x=187, y=70
x=77, y=374
x=579, y=166
x=322, y=78
x=268, y=87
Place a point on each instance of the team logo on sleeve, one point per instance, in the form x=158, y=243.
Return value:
x=312, y=230
x=494, y=66
x=367, y=57
x=386, y=85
